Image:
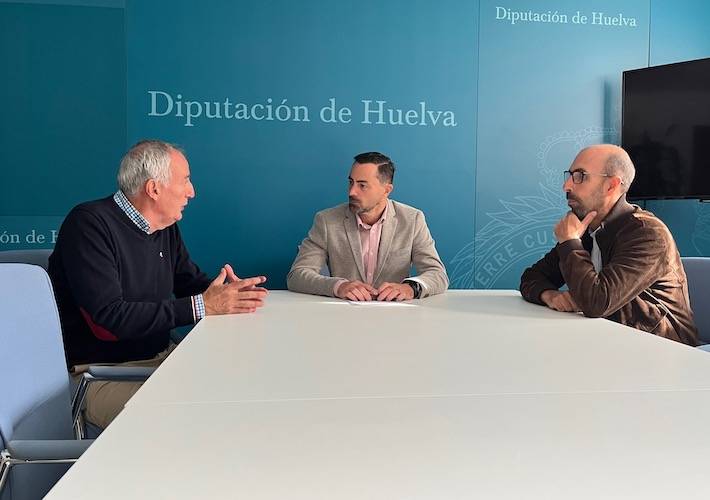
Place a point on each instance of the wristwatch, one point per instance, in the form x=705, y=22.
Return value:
x=416, y=287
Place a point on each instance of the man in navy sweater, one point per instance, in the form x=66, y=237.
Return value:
x=123, y=277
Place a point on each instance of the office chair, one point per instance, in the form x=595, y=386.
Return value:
x=37, y=444
x=38, y=257
x=697, y=269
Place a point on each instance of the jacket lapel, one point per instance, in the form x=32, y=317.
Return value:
x=389, y=228
x=350, y=224
x=616, y=216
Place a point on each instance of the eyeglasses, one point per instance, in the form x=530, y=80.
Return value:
x=579, y=176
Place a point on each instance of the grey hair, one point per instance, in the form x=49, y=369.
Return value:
x=618, y=163
x=148, y=159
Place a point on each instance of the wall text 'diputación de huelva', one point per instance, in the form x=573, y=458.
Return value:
x=372, y=111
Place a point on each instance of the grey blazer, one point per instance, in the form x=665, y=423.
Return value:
x=334, y=242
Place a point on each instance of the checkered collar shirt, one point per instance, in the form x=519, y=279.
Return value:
x=124, y=204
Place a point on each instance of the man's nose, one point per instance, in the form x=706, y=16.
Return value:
x=567, y=185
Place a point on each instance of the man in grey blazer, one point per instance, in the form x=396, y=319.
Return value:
x=369, y=244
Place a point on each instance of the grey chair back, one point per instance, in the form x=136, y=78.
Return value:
x=697, y=269
x=38, y=257
x=34, y=393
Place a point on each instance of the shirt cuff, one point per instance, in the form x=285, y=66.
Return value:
x=198, y=307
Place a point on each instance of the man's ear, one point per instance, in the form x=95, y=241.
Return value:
x=389, y=188
x=152, y=189
x=614, y=182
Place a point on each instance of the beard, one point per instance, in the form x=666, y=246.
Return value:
x=582, y=208
x=357, y=207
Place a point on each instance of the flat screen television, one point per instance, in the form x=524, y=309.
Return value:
x=665, y=127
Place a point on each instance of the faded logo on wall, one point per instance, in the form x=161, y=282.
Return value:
x=701, y=232
x=520, y=232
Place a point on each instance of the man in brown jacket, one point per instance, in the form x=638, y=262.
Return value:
x=619, y=262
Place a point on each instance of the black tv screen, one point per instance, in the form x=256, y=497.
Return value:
x=665, y=128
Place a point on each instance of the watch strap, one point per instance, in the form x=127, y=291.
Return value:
x=416, y=288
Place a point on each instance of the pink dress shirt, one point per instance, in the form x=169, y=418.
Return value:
x=369, y=247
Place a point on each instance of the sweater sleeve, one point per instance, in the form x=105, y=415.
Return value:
x=189, y=280
x=91, y=266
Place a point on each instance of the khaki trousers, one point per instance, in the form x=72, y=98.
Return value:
x=105, y=400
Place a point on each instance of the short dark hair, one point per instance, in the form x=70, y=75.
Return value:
x=385, y=166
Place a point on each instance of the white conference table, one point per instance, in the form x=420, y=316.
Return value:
x=472, y=394
x=460, y=343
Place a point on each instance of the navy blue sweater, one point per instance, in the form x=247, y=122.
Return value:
x=119, y=290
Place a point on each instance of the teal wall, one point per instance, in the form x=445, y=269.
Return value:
x=259, y=183
x=515, y=101
x=545, y=91
x=63, y=118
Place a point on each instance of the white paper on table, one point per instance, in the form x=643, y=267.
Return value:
x=379, y=303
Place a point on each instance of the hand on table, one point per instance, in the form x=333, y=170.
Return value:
x=356, y=290
x=228, y=294
x=395, y=291
x=559, y=301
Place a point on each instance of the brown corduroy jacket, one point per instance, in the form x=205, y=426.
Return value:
x=641, y=284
